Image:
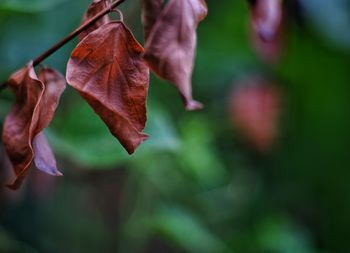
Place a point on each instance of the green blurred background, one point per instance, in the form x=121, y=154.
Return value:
x=194, y=186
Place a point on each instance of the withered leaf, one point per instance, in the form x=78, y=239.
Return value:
x=266, y=23
x=95, y=7
x=18, y=130
x=171, y=45
x=108, y=70
x=151, y=10
x=32, y=112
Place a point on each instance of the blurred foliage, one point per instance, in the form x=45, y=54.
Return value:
x=194, y=186
x=28, y=6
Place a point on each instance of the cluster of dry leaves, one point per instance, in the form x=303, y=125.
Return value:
x=110, y=70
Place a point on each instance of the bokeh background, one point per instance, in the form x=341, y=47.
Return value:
x=196, y=185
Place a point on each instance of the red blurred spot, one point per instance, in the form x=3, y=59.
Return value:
x=255, y=108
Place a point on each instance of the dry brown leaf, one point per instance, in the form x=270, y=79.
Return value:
x=95, y=7
x=171, y=45
x=18, y=128
x=108, y=70
x=32, y=112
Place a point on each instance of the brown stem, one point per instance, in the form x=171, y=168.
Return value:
x=71, y=36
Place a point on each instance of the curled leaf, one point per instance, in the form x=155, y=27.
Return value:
x=267, y=28
x=108, y=70
x=33, y=110
x=255, y=110
x=151, y=10
x=95, y=7
x=19, y=125
x=171, y=45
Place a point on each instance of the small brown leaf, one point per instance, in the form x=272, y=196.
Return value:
x=171, y=45
x=33, y=110
x=95, y=7
x=151, y=10
x=266, y=23
x=108, y=70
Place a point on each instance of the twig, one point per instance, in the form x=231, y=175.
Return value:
x=71, y=36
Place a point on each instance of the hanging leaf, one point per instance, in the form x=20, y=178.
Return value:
x=151, y=10
x=267, y=28
x=255, y=110
x=19, y=125
x=33, y=110
x=108, y=70
x=95, y=7
x=171, y=45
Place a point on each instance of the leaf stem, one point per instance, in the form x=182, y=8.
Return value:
x=71, y=36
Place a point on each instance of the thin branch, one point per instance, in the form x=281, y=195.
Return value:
x=71, y=36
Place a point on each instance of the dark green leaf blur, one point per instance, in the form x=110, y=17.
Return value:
x=196, y=185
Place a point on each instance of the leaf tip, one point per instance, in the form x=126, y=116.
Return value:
x=59, y=174
x=11, y=187
x=15, y=185
x=52, y=171
x=193, y=105
x=131, y=149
